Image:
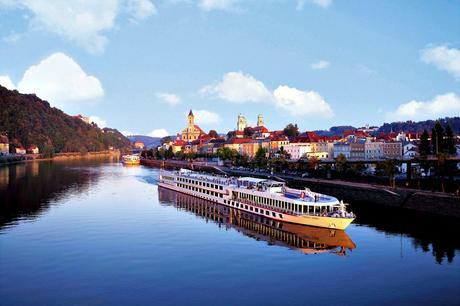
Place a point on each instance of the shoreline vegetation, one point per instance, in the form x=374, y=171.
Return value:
x=16, y=159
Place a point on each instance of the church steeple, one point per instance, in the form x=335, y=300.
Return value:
x=191, y=118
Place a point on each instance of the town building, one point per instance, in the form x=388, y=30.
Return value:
x=241, y=123
x=357, y=149
x=20, y=150
x=178, y=145
x=33, y=149
x=277, y=143
x=192, y=131
x=342, y=147
x=4, y=145
x=139, y=145
x=298, y=150
x=392, y=149
x=251, y=147
x=373, y=149
x=236, y=144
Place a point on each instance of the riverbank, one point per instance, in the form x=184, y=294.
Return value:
x=15, y=159
x=357, y=193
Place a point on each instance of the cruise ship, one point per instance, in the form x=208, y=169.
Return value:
x=303, y=238
x=263, y=197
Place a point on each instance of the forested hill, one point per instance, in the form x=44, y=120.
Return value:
x=28, y=120
x=411, y=126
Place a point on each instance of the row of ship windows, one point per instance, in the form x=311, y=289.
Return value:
x=254, y=209
x=200, y=183
x=205, y=191
x=276, y=203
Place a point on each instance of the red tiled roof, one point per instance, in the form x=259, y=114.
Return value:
x=238, y=140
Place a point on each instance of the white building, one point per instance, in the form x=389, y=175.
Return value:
x=298, y=150
x=373, y=150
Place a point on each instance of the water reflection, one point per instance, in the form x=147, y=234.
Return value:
x=429, y=233
x=26, y=190
x=308, y=240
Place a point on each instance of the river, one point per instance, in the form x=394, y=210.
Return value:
x=99, y=233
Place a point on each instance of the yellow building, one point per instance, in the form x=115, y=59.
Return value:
x=192, y=131
x=250, y=148
x=4, y=145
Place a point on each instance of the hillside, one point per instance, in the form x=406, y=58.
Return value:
x=149, y=142
x=411, y=126
x=29, y=120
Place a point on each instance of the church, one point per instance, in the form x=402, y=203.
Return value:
x=192, y=131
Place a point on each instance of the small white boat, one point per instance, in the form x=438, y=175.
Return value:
x=131, y=159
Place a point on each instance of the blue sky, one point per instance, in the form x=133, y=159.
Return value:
x=140, y=65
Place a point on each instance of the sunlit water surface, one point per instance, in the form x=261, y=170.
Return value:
x=103, y=234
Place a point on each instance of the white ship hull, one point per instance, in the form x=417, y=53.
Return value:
x=276, y=214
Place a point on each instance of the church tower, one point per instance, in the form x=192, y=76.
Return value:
x=191, y=119
x=260, y=120
x=241, y=123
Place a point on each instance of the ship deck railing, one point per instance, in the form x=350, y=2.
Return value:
x=280, y=210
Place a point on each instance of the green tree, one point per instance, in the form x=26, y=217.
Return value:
x=261, y=157
x=424, y=148
x=341, y=163
x=213, y=134
x=227, y=154
x=291, y=130
x=389, y=168
x=313, y=163
x=437, y=138
x=449, y=141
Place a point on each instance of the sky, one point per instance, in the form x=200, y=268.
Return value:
x=140, y=65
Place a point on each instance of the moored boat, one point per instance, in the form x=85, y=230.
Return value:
x=130, y=159
x=264, y=197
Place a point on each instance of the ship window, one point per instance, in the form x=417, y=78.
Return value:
x=257, y=210
x=267, y=213
x=281, y=216
x=221, y=187
x=273, y=214
x=245, y=206
x=237, y=205
x=261, y=211
x=250, y=208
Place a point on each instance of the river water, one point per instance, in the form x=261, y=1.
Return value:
x=98, y=233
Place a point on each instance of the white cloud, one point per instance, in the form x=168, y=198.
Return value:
x=99, y=121
x=223, y=5
x=443, y=58
x=320, y=3
x=158, y=133
x=206, y=117
x=82, y=22
x=301, y=103
x=322, y=64
x=140, y=9
x=5, y=81
x=441, y=106
x=59, y=79
x=239, y=88
x=170, y=98
x=127, y=133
